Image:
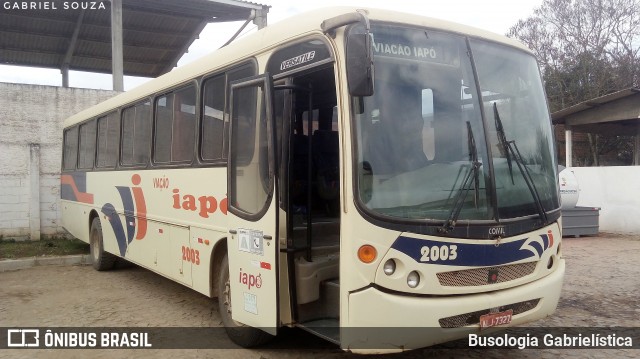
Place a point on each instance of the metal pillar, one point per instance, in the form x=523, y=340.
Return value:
x=568, y=146
x=65, y=75
x=34, y=191
x=116, y=46
x=70, y=49
x=636, y=149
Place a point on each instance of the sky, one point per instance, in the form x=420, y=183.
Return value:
x=493, y=15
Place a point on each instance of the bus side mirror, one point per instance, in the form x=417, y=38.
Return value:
x=360, y=64
x=359, y=49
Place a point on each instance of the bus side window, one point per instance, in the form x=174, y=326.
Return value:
x=184, y=125
x=212, y=133
x=164, y=120
x=70, y=149
x=175, y=126
x=136, y=134
x=241, y=72
x=108, y=136
x=87, y=151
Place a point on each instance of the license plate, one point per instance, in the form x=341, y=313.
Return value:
x=493, y=319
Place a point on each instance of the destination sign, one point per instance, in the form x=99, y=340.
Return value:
x=431, y=53
x=405, y=50
x=390, y=42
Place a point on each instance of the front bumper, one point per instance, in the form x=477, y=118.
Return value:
x=383, y=322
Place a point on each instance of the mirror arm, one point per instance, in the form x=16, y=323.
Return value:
x=330, y=25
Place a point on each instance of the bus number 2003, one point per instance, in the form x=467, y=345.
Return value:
x=435, y=253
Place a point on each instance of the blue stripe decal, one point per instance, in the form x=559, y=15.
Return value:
x=127, y=203
x=80, y=178
x=465, y=254
x=116, y=225
x=66, y=192
x=545, y=238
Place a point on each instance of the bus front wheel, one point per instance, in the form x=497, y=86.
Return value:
x=239, y=333
x=100, y=259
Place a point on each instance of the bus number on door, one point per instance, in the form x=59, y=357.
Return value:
x=191, y=255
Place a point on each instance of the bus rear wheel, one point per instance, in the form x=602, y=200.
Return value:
x=239, y=333
x=100, y=259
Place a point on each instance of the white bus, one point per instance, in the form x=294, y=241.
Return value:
x=342, y=171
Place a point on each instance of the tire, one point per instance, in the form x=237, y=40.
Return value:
x=241, y=334
x=100, y=259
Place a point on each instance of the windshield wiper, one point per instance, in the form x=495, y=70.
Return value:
x=502, y=139
x=510, y=146
x=468, y=181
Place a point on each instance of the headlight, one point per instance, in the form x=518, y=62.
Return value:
x=390, y=267
x=413, y=279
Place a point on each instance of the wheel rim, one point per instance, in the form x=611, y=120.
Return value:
x=227, y=296
x=94, y=246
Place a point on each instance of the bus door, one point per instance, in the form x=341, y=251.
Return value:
x=253, y=205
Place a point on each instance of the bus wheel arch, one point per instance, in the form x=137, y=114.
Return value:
x=93, y=214
x=218, y=252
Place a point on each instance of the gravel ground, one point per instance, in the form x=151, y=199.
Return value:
x=600, y=289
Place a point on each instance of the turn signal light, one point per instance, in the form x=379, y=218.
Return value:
x=367, y=253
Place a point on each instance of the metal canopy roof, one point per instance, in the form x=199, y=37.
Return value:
x=156, y=33
x=616, y=114
x=560, y=117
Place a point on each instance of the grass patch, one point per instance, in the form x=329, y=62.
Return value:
x=12, y=249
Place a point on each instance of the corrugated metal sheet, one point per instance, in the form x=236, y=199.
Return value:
x=155, y=33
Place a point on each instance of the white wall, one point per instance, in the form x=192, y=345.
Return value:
x=31, y=117
x=616, y=190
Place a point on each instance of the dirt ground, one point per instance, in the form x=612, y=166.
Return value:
x=600, y=289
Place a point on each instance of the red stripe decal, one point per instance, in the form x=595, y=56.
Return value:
x=81, y=196
x=141, y=212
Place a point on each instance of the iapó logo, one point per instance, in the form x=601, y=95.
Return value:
x=135, y=214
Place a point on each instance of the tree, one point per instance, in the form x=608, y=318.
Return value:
x=586, y=49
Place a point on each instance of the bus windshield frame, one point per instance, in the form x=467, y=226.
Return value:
x=428, y=147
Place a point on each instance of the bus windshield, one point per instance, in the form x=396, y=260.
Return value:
x=422, y=145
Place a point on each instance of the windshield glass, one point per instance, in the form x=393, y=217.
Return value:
x=418, y=132
x=419, y=136
x=512, y=95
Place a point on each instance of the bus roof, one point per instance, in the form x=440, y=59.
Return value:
x=271, y=36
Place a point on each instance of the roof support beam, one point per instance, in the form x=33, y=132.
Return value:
x=185, y=47
x=568, y=138
x=261, y=17
x=72, y=46
x=636, y=149
x=97, y=41
x=240, y=9
x=91, y=26
x=117, y=57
